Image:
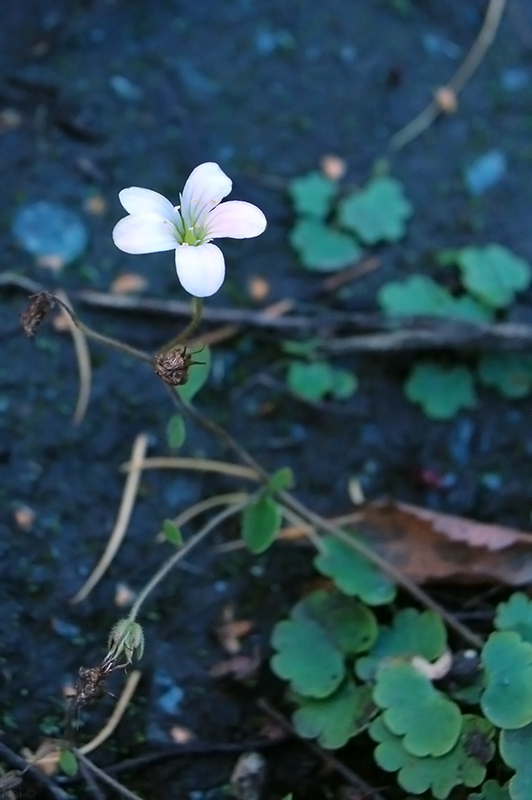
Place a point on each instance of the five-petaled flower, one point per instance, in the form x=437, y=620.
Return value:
x=154, y=224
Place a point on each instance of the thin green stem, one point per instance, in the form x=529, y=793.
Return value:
x=192, y=542
x=197, y=310
x=116, y=344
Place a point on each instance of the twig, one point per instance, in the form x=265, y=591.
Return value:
x=34, y=773
x=332, y=762
x=474, y=57
x=104, y=777
x=84, y=362
x=118, y=712
x=124, y=515
x=195, y=464
x=92, y=786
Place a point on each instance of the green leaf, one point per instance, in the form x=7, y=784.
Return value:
x=507, y=699
x=282, y=480
x=337, y=718
x=307, y=657
x=491, y=790
x=322, y=248
x=515, y=748
x=516, y=615
x=176, y=432
x=465, y=764
x=429, y=722
x=172, y=533
x=420, y=295
x=345, y=384
x=378, y=212
x=440, y=391
x=314, y=380
x=353, y=574
x=493, y=273
x=261, y=522
x=509, y=373
x=198, y=374
x=349, y=624
x=68, y=762
x=413, y=633
x=304, y=349
x=312, y=194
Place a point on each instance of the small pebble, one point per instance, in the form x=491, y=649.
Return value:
x=485, y=171
x=50, y=231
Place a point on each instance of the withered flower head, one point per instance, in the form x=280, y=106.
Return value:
x=173, y=366
x=40, y=305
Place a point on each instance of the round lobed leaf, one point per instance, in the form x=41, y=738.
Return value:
x=312, y=380
x=429, y=722
x=353, y=574
x=509, y=373
x=465, y=764
x=515, y=748
x=507, y=699
x=350, y=625
x=413, y=633
x=420, y=295
x=491, y=790
x=376, y=213
x=337, y=718
x=493, y=273
x=321, y=248
x=307, y=658
x=312, y=194
x=440, y=391
x=516, y=615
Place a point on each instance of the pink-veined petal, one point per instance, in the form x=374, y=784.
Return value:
x=201, y=270
x=144, y=201
x=146, y=233
x=206, y=186
x=236, y=220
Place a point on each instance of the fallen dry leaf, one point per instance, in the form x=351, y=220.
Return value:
x=258, y=288
x=128, y=283
x=427, y=545
x=231, y=630
x=238, y=668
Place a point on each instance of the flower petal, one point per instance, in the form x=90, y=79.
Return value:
x=146, y=233
x=144, y=201
x=201, y=270
x=206, y=186
x=235, y=219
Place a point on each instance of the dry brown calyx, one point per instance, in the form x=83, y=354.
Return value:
x=33, y=316
x=173, y=366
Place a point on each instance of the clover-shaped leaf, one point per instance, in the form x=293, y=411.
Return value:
x=491, y=790
x=507, y=699
x=440, y=391
x=420, y=295
x=509, y=373
x=493, y=273
x=353, y=573
x=322, y=248
x=312, y=194
x=316, y=379
x=464, y=764
x=515, y=748
x=429, y=723
x=516, y=615
x=376, y=213
x=337, y=718
x=307, y=657
x=413, y=633
x=350, y=625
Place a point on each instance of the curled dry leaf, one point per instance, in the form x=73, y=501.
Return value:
x=258, y=288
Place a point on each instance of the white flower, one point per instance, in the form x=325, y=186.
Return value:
x=154, y=224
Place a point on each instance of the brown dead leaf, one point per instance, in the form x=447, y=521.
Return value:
x=427, y=545
x=45, y=758
x=128, y=283
x=231, y=630
x=258, y=288
x=238, y=668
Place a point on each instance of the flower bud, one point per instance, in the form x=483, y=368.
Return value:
x=126, y=638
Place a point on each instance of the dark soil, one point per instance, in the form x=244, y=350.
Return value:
x=112, y=94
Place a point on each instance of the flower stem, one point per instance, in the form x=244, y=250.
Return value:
x=99, y=337
x=192, y=542
x=197, y=309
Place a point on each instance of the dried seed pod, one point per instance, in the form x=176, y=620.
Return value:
x=40, y=305
x=173, y=366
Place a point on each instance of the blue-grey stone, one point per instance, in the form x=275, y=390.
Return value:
x=485, y=171
x=50, y=230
